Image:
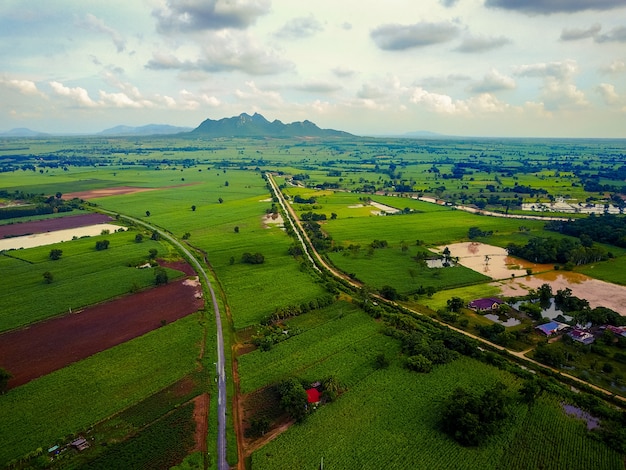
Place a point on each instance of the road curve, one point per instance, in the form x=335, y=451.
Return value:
x=222, y=464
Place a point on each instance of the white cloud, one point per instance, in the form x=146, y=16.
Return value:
x=77, y=95
x=92, y=23
x=493, y=81
x=445, y=104
x=477, y=44
x=25, y=87
x=258, y=97
x=608, y=93
x=615, y=67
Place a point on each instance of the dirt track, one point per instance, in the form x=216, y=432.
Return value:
x=44, y=347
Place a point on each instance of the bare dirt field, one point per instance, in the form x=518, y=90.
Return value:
x=44, y=347
x=51, y=225
x=118, y=191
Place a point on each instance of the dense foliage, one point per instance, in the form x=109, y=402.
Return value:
x=605, y=228
x=552, y=250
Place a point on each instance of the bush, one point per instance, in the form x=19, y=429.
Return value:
x=249, y=258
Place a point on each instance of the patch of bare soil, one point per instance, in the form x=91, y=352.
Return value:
x=50, y=345
x=201, y=418
x=51, y=225
x=117, y=191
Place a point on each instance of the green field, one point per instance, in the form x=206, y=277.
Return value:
x=43, y=412
x=97, y=275
x=212, y=193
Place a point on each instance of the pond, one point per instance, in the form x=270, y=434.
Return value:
x=510, y=276
x=550, y=311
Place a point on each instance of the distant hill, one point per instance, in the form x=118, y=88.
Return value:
x=22, y=132
x=245, y=125
x=150, y=129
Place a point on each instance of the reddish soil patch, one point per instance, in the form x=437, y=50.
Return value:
x=118, y=191
x=180, y=265
x=44, y=347
x=51, y=225
x=201, y=417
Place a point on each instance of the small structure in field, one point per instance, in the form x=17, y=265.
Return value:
x=80, y=444
x=551, y=328
x=581, y=336
x=313, y=396
x=487, y=304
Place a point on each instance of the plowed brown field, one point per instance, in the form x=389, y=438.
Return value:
x=50, y=225
x=44, y=347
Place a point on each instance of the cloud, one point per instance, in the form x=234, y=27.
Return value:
x=576, y=34
x=198, y=15
x=298, y=28
x=445, y=104
x=617, y=34
x=559, y=70
x=343, y=72
x=396, y=37
x=92, y=23
x=318, y=87
x=547, y=7
x=492, y=82
x=448, y=3
x=258, y=97
x=443, y=82
x=226, y=53
x=472, y=44
x=615, y=67
x=558, y=90
x=608, y=93
x=371, y=92
x=24, y=87
x=77, y=95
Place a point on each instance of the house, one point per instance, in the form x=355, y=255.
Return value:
x=486, y=304
x=618, y=330
x=551, y=328
x=581, y=336
x=313, y=396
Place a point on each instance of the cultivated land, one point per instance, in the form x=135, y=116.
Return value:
x=282, y=318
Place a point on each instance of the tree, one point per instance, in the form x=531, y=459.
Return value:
x=55, y=254
x=47, y=277
x=331, y=388
x=102, y=245
x=256, y=258
x=455, y=304
x=152, y=252
x=5, y=376
x=186, y=236
x=419, y=363
x=470, y=418
x=225, y=183
x=155, y=235
x=147, y=213
x=138, y=238
x=389, y=293
x=293, y=398
x=236, y=228
x=333, y=216
x=220, y=200
x=193, y=208
x=160, y=277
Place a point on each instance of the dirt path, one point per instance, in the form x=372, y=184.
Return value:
x=201, y=417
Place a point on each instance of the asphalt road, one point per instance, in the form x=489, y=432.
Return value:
x=222, y=464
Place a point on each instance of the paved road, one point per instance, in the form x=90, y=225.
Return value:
x=222, y=464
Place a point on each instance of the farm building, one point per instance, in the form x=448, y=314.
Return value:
x=80, y=444
x=551, y=328
x=581, y=336
x=618, y=330
x=486, y=304
x=313, y=396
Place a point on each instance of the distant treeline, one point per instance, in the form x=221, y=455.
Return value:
x=552, y=250
x=38, y=205
x=606, y=228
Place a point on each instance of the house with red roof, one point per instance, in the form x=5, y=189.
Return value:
x=313, y=396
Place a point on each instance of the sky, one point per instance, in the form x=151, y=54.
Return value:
x=509, y=68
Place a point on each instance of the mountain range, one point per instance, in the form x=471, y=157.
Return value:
x=256, y=125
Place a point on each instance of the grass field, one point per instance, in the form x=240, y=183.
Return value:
x=97, y=275
x=379, y=423
x=43, y=412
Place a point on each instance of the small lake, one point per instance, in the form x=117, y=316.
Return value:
x=550, y=312
x=510, y=276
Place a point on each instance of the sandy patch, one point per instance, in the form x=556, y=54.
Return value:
x=273, y=219
x=356, y=206
x=491, y=261
x=384, y=208
x=48, y=238
x=269, y=199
